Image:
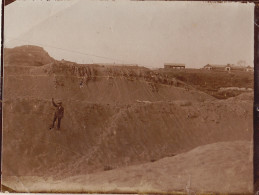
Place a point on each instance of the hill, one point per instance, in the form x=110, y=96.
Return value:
x=28, y=55
x=115, y=117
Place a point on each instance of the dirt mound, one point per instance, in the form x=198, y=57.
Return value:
x=28, y=55
x=224, y=167
x=95, y=137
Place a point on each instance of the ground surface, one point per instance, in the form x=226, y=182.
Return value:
x=123, y=129
x=219, y=84
x=199, y=171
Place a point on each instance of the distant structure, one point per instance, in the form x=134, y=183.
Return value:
x=208, y=67
x=174, y=66
x=218, y=67
x=249, y=69
x=228, y=67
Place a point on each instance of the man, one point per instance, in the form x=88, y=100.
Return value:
x=58, y=114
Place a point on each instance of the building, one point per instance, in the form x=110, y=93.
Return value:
x=228, y=67
x=216, y=67
x=249, y=69
x=174, y=66
x=208, y=67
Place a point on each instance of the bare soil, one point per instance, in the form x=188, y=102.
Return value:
x=120, y=120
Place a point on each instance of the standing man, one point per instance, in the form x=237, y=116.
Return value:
x=59, y=113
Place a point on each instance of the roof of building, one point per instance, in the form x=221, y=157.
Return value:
x=215, y=65
x=224, y=66
x=174, y=64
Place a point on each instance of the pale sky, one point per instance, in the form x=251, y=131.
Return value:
x=148, y=33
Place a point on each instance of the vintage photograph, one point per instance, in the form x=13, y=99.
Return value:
x=150, y=97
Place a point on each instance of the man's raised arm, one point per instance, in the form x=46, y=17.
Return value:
x=54, y=103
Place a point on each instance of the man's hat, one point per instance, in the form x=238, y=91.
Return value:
x=59, y=102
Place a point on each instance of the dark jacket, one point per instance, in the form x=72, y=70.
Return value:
x=59, y=111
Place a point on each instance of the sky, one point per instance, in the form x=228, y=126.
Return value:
x=147, y=33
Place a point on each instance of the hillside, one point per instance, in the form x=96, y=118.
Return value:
x=111, y=135
x=115, y=117
x=97, y=84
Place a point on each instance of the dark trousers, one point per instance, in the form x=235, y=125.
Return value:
x=54, y=120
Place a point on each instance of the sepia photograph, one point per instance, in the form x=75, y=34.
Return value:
x=128, y=97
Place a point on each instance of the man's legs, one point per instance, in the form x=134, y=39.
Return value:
x=59, y=122
x=54, y=120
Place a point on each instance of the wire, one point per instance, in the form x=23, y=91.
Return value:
x=65, y=49
x=82, y=53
